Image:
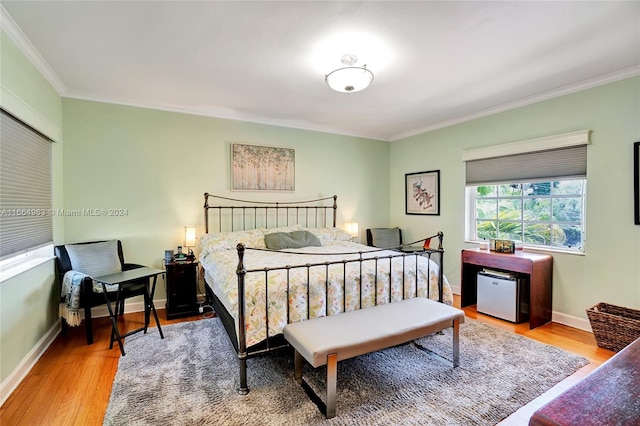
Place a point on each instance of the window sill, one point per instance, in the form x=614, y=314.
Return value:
x=14, y=270
x=534, y=249
x=554, y=250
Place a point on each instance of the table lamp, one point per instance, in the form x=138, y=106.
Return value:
x=352, y=229
x=190, y=241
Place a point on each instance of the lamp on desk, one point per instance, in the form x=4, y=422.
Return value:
x=190, y=241
x=352, y=229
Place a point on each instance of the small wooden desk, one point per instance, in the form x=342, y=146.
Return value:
x=537, y=267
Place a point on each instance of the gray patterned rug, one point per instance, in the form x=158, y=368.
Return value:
x=190, y=377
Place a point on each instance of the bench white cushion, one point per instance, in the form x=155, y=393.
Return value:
x=358, y=332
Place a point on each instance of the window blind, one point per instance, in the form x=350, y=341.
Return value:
x=26, y=221
x=552, y=163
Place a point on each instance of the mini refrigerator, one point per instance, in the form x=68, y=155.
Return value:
x=503, y=295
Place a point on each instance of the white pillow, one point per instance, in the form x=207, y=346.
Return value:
x=95, y=259
x=326, y=235
x=289, y=228
x=221, y=241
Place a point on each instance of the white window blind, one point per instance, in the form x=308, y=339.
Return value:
x=25, y=188
x=556, y=156
x=555, y=163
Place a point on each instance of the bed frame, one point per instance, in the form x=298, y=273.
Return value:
x=317, y=213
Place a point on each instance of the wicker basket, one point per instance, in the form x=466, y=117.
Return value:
x=614, y=326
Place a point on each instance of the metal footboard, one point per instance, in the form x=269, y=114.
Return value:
x=244, y=353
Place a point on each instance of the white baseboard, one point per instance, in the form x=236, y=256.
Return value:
x=20, y=372
x=29, y=361
x=129, y=307
x=571, y=321
x=559, y=317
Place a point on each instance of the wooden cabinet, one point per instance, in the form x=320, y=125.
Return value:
x=182, y=289
x=536, y=267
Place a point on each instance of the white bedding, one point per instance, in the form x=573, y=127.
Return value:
x=220, y=273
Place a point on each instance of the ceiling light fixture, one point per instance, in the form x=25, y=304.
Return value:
x=349, y=79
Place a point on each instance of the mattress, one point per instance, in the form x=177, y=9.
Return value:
x=317, y=290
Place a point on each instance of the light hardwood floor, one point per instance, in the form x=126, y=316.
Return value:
x=71, y=383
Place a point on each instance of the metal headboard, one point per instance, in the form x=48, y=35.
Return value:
x=270, y=214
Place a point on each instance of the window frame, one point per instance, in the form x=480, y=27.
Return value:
x=25, y=261
x=471, y=220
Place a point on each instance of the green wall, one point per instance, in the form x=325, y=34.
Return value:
x=158, y=165
x=29, y=300
x=28, y=304
x=610, y=269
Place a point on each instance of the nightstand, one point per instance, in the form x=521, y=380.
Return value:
x=182, y=289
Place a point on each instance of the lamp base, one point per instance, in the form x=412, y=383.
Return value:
x=191, y=257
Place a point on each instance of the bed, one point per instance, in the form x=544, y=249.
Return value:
x=288, y=262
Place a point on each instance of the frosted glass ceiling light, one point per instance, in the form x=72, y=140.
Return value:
x=349, y=78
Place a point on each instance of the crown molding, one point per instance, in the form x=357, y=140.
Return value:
x=20, y=109
x=20, y=39
x=551, y=94
x=221, y=113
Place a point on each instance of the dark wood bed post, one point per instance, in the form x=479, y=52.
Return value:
x=241, y=271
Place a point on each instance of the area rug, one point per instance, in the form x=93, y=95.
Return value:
x=191, y=377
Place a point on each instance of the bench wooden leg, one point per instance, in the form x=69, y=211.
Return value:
x=332, y=379
x=456, y=342
x=298, y=366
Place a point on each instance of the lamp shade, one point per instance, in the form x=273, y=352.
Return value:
x=189, y=236
x=352, y=229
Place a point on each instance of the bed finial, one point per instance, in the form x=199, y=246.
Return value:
x=206, y=212
x=440, y=238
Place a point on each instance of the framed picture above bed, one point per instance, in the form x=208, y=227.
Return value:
x=636, y=181
x=262, y=168
x=422, y=193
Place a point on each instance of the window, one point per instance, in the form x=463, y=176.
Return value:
x=532, y=191
x=542, y=213
x=25, y=189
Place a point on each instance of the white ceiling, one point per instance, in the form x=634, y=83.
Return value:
x=436, y=63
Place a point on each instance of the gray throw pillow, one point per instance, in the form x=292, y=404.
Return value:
x=95, y=259
x=295, y=239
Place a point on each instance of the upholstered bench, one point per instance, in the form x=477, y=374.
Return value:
x=327, y=340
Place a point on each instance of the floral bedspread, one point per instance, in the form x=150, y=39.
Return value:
x=326, y=292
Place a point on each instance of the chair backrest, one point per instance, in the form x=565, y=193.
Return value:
x=63, y=262
x=384, y=237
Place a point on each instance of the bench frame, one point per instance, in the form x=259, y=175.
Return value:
x=329, y=408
